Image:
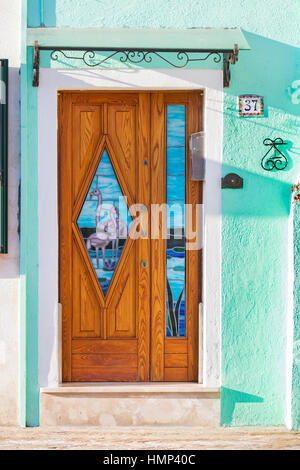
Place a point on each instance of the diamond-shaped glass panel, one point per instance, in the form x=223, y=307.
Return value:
x=104, y=222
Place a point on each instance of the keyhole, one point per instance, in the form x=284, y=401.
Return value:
x=144, y=264
x=145, y=162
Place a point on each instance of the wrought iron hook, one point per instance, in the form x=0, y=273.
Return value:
x=279, y=160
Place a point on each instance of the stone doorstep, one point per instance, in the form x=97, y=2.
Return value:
x=131, y=388
x=124, y=404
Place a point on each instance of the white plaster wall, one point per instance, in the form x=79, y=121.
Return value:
x=121, y=79
x=10, y=28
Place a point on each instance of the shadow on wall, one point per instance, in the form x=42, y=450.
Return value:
x=263, y=193
x=41, y=13
x=269, y=69
x=229, y=398
x=261, y=196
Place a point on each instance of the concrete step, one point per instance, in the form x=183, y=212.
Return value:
x=126, y=404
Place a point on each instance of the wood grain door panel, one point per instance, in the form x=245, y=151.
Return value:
x=105, y=337
x=88, y=314
x=174, y=359
x=119, y=334
x=88, y=123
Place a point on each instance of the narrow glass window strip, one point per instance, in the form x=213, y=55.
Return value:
x=176, y=266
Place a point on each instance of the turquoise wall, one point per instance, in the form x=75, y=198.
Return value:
x=296, y=336
x=29, y=387
x=255, y=219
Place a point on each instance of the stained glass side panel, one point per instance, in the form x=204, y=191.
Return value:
x=104, y=222
x=176, y=265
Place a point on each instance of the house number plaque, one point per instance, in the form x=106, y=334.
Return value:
x=251, y=106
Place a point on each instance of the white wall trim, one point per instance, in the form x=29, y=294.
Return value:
x=123, y=79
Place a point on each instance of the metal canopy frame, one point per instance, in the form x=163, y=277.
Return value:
x=136, y=56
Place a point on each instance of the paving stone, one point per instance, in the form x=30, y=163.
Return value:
x=148, y=438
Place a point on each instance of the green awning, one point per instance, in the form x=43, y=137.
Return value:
x=164, y=39
x=138, y=45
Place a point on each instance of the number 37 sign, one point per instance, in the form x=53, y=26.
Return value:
x=251, y=105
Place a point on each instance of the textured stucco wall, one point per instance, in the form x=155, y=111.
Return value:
x=251, y=15
x=295, y=388
x=255, y=239
x=10, y=30
x=255, y=219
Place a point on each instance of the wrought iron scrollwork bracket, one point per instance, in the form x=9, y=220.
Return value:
x=278, y=161
x=229, y=58
x=137, y=56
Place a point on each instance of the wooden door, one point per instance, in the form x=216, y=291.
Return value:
x=114, y=289
x=174, y=355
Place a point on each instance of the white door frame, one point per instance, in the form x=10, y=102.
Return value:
x=53, y=80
